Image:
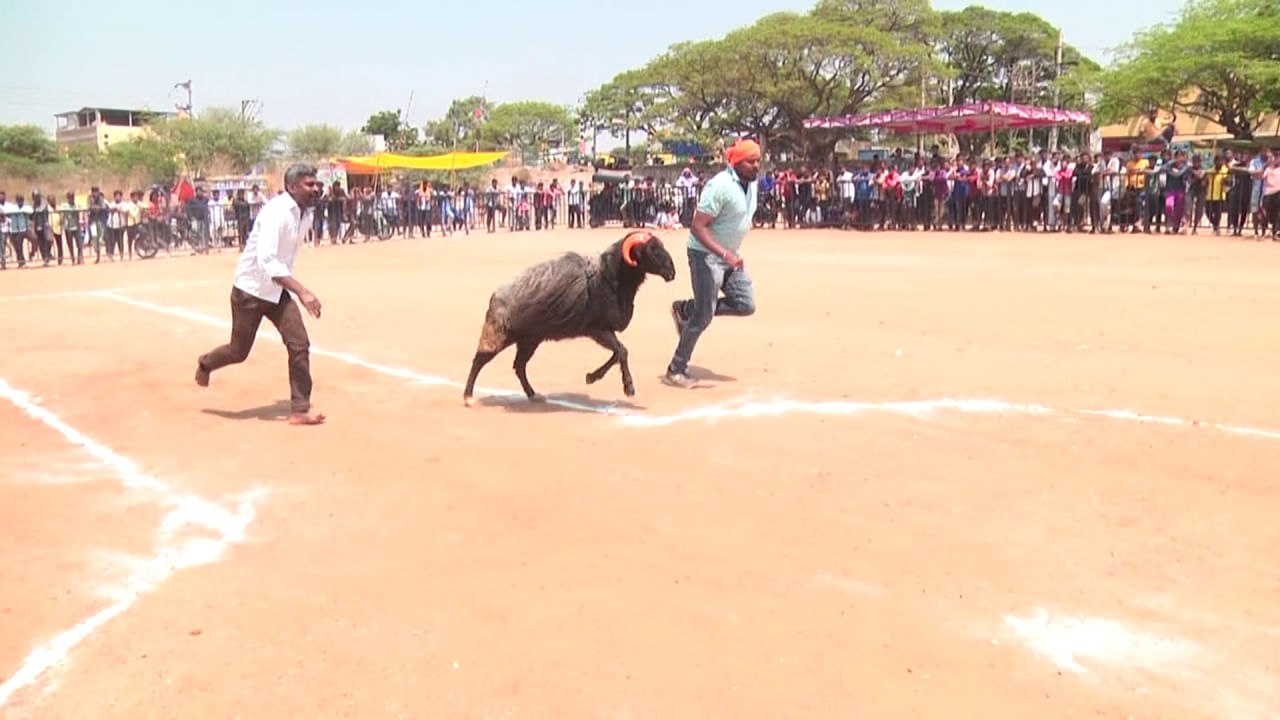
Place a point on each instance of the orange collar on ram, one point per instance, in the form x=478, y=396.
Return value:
x=636, y=238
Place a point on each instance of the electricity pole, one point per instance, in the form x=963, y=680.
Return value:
x=1057, y=89
x=248, y=109
x=186, y=86
x=920, y=136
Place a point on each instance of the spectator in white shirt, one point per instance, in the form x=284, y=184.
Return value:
x=576, y=196
x=263, y=281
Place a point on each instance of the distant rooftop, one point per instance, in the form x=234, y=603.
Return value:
x=105, y=110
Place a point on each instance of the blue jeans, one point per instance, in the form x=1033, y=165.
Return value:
x=709, y=275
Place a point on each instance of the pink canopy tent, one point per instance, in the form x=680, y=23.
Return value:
x=972, y=118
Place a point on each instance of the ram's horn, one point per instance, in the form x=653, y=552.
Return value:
x=635, y=238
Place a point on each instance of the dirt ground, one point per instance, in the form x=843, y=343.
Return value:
x=935, y=476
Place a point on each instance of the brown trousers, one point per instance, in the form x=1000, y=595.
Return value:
x=247, y=312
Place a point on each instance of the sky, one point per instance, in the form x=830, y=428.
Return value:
x=337, y=62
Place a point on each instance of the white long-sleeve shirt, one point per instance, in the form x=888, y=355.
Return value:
x=272, y=247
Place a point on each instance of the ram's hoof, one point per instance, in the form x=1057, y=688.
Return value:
x=537, y=399
x=630, y=390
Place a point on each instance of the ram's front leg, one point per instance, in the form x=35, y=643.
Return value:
x=595, y=375
x=609, y=341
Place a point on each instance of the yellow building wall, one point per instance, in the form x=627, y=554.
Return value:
x=104, y=136
x=1188, y=127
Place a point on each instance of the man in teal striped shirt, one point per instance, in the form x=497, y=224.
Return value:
x=720, y=223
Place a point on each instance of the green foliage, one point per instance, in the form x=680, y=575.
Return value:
x=459, y=124
x=354, y=143
x=315, y=142
x=1220, y=61
x=154, y=158
x=387, y=123
x=1008, y=57
x=764, y=80
x=530, y=127
x=28, y=142
x=628, y=102
x=218, y=135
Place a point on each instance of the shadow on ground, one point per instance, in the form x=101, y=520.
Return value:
x=701, y=373
x=278, y=410
x=560, y=402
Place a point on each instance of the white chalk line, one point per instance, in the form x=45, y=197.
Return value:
x=921, y=409
x=177, y=547
x=399, y=372
x=746, y=408
x=90, y=293
x=1086, y=645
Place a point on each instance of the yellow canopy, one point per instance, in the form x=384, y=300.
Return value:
x=447, y=161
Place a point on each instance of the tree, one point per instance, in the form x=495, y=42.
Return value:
x=765, y=80
x=461, y=124
x=29, y=143
x=397, y=134
x=1219, y=61
x=315, y=141
x=354, y=143
x=154, y=158
x=530, y=127
x=1007, y=57
x=218, y=135
x=621, y=105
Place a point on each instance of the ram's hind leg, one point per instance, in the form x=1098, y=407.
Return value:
x=524, y=351
x=608, y=340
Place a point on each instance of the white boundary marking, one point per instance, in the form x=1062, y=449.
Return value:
x=1096, y=648
x=176, y=547
x=89, y=293
x=1065, y=641
x=746, y=408
x=402, y=373
x=924, y=408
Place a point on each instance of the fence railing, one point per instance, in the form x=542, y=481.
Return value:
x=1027, y=200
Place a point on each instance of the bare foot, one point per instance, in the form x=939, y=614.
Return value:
x=202, y=376
x=306, y=418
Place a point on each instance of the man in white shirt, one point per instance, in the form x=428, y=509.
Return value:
x=263, y=280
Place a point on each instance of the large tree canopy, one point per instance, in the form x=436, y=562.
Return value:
x=462, y=124
x=1006, y=57
x=842, y=57
x=218, y=136
x=320, y=142
x=1219, y=61
x=398, y=135
x=530, y=127
x=764, y=80
x=1010, y=57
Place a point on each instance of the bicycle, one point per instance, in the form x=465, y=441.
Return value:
x=375, y=223
x=151, y=239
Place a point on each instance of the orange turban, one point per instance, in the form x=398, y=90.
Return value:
x=743, y=150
